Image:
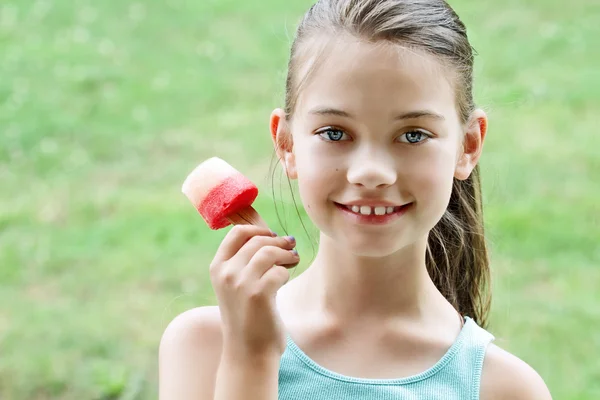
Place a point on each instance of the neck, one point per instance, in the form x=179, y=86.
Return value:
x=351, y=288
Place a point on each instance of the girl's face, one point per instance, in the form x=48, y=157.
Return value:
x=375, y=127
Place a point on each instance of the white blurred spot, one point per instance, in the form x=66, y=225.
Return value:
x=106, y=47
x=21, y=85
x=80, y=35
x=8, y=16
x=20, y=90
x=62, y=40
x=161, y=81
x=40, y=9
x=48, y=146
x=140, y=114
x=87, y=14
x=12, y=55
x=234, y=118
x=209, y=50
x=539, y=90
x=16, y=154
x=78, y=157
x=50, y=212
x=549, y=30
x=12, y=132
x=137, y=12
x=109, y=91
x=5, y=173
x=189, y=285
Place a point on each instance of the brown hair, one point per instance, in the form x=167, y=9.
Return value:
x=457, y=256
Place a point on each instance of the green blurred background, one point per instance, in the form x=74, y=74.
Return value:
x=105, y=106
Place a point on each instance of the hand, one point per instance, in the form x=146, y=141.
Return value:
x=249, y=268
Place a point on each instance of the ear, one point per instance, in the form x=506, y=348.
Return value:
x=472, y=145
x=283, y=142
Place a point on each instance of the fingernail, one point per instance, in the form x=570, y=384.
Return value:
x=273, y=234
x=295, y=252
x=290, y=239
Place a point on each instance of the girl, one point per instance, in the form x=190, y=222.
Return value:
x=380, y=131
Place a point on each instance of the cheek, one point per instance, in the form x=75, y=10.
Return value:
x=312, y=172
x=320, y=175
x=433, y=180
x=317, y=165
x=312, y=193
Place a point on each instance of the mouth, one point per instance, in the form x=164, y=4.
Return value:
x=372, y=213
x=372, y=210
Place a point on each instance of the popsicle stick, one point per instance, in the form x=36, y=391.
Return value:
x=247, y=216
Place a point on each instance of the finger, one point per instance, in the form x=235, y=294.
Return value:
x=252, y=246
x=236, y=238
x=266, y=258
x=274, y=279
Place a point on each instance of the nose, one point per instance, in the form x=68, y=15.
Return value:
x=372, y=170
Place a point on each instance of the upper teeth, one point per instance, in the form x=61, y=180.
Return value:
x=368, y=210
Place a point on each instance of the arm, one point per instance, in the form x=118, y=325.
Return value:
x=505, y=377
x=195, y=364
x=232, y=352
x=189, y=354
x=247, y=378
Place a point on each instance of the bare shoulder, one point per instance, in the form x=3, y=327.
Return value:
x=194, y=325
x=189, y=355
x=505, y=376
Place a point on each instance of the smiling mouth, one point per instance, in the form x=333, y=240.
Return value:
x=373, y=210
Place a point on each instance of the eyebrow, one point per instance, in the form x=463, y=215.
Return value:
x=400, y=117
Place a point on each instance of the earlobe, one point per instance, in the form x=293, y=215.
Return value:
x=472, y=145
x=283, y=142
x=290, y=165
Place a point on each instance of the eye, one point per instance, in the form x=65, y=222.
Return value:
x=331, y=134
x=415, y=137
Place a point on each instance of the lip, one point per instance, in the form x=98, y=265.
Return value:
x=372, y=219
x=374, y=203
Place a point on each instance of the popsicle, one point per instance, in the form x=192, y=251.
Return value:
x=222, y=195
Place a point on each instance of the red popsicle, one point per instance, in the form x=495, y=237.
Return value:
x=221, y=194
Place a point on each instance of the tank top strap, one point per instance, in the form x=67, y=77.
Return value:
x=467, y=364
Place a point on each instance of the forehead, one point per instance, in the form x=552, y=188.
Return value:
x=376, y=79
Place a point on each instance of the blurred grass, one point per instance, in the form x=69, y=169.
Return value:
x=106, y=106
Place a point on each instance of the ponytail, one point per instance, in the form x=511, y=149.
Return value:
x=457, y=256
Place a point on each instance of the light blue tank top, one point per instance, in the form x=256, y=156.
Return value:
x=456, y=375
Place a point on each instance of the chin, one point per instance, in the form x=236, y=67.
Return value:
x=372, y=248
